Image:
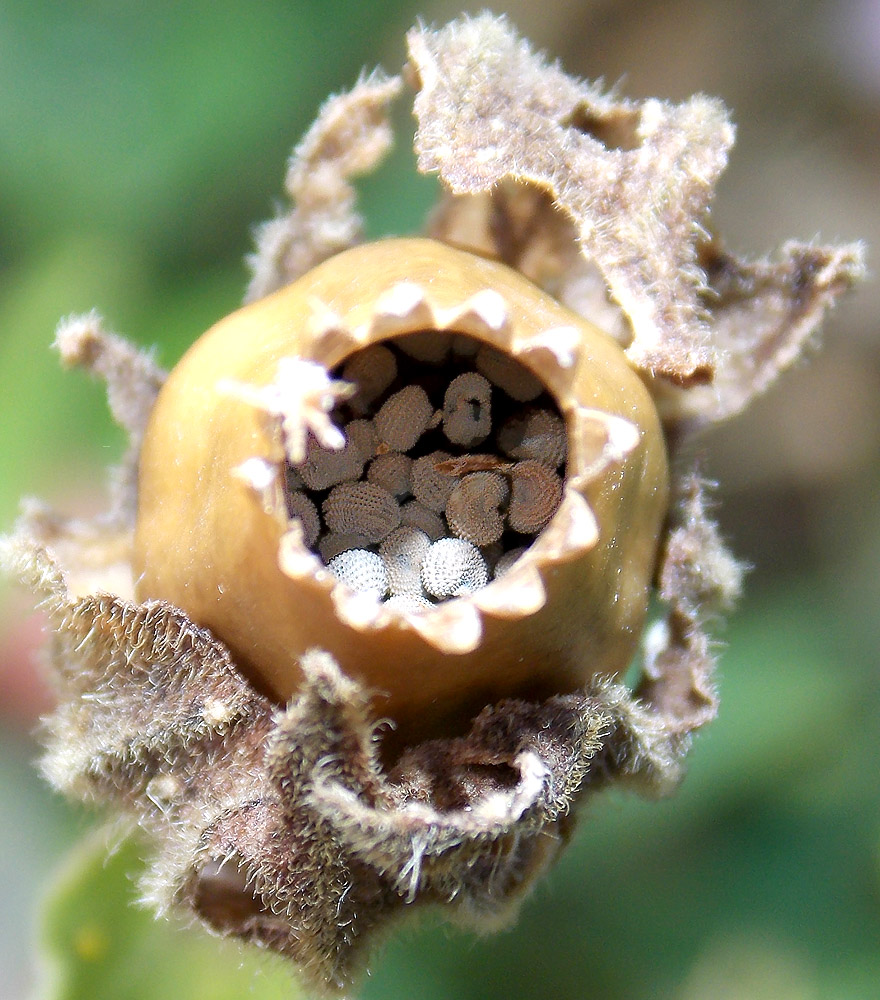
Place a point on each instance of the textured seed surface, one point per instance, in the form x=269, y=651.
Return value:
x=535, y=494
x=467, y=409
x=371, y=371
x=361, y=570
x=508, y=374
x=429, y=486
x=473, y=511
x=334, y=542
x=417, y=515
x=403, y=552
x=303, y=510
x=324, y=467
x=436, y=448
x=362, y=509
x=393, y=472
x=506, y=561
x=536, y=433
x=404, y=418
x=409, y=604
x=453, y=567
x=365, y=437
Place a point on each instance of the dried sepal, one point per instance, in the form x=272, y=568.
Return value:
x=350, y=137
x=489, y=110
x=133, y=381
x=698, y=580
x=764, y=315
x=284, y=826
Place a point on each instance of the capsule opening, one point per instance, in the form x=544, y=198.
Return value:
x=454, y=462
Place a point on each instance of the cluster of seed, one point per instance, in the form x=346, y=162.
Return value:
x=453, y=462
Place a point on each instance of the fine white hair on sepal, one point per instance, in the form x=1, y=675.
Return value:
x=404, y=417
x=473, y=510
x=430, y=487
x=467, y=409
x=453, y=567
x=403, y=552
x=510, y=375
x=535, y=433
x=371, y=371
x=535, y=495
x=361, y=570
x=393, y=472
x=303, y=510
x=361, y=509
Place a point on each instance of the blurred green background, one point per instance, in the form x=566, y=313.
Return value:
x=138, y=146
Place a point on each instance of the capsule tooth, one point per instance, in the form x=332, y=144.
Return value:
x=331, y=336
x=362, y=610
x=572, y=530
x=484, y=312
x=558, y=347
x=599, y=440
x=453, y=627
x=519, y=592
x=401, y=307
x=294, y=559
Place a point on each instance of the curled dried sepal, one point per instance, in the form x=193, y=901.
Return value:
x=298, y=806
x=490, y=110
x=515, y=140
x=350, y=137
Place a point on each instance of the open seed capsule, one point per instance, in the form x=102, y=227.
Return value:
x=225, y=550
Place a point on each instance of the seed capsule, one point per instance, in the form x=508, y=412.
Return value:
x=219, y=544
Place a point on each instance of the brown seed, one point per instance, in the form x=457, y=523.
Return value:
x=535, y=495
x=430, y=487
x=473, y=509
x=361, y=509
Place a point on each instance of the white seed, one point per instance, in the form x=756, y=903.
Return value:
x=363, y=434
x=507, y=561
x=430, y=487
x=303, y=510
x=409, y=604
x=417, y=515
x=404, y=417
x=334, y=542
x=361, y=570
x=361, y=509
x=535, y=495
x=430, y=346
x=324, y=467
x=393, y=472
x=536, y=433
x=473, y=509
x=453, y=567
x=371, y=371
x=402, y=553
x=467, y=409
x=508, y=374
